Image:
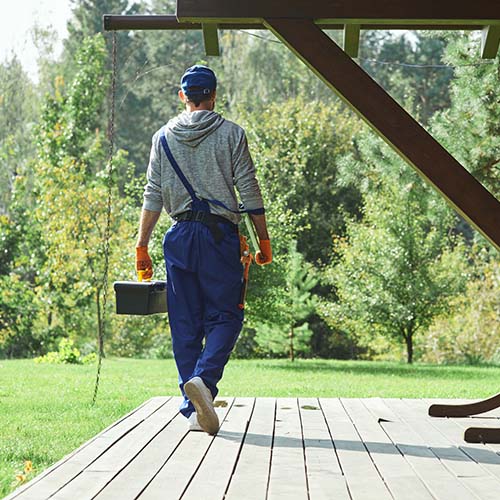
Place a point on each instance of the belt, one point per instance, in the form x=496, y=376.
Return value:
x=209, y=220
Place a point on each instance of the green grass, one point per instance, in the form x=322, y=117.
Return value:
x=45, y=410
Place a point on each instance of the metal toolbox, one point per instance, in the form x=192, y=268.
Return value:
x=141, y=298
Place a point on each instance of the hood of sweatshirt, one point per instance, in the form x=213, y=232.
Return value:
x=193, y=128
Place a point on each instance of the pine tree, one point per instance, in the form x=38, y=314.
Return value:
x=289, y=332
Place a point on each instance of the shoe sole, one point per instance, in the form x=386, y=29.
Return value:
x=207, y=417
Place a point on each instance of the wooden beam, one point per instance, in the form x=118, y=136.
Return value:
x=211, y=39
x=345, y=11
x=490, y=42
x=406, y=136
x=351, y=39
x=482, y=435
x=118, y=22
x=465, y=410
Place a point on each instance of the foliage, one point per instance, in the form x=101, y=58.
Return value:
x=396, y=269
x=470, y=127
x=316, y=163
x=147, y=337
x=72, y=185
x=288, y=332
x=410, y=69
x=296, y=147
x=257, y=71
x=8, y=243
x=470, y=332
x=18, y=309
x=18, y=110
x=67, y=353
x=149, y=67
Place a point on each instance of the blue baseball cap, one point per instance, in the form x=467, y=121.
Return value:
x=201, y=77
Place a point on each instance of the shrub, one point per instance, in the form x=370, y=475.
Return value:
x=67, y=354
x=470, y=333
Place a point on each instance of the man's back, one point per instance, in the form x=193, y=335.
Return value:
x=213, y=155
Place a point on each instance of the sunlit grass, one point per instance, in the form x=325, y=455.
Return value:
x=45, y=410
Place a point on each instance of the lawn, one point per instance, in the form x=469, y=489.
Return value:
x=45, y=410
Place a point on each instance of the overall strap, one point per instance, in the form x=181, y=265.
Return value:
x=176, y=167
x=189, y=187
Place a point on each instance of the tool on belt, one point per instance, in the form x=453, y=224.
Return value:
x=247, y=257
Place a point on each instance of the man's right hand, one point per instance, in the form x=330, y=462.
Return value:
x=143, y=264
x=265, y=255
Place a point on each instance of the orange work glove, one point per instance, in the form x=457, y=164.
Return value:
x=265, y=255
x=143, y=264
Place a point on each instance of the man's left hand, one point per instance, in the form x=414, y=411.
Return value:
x=265, y=255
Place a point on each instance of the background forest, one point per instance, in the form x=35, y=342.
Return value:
x=370, y=263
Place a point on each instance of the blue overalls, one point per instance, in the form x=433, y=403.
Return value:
x=204, y=280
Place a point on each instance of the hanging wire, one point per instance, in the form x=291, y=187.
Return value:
x=376, y=61
x=408, y=65
x=107, y=231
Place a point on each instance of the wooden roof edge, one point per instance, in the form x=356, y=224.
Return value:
x=170, y=22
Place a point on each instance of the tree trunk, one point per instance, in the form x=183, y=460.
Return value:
x=409, y=347
x=292, y=354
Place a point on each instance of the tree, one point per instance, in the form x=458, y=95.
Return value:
x=411, y=70
x=150, y=64
x=469, y=332
x=297, y=146
x=256, y=71
x=18, y=109
x=470, y=128
x=18, y=309
x=396, y=270
x=289, y=331
x=72, y=183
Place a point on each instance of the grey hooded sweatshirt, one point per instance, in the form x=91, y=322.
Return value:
x=212, y=152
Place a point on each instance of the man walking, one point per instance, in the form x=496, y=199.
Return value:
x=197, y=160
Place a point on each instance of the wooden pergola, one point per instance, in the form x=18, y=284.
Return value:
x=299, y=24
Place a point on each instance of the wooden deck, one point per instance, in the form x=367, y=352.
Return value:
x=279, y=449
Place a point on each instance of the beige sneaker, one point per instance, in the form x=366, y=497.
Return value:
x=201, y=397
x=193, y=424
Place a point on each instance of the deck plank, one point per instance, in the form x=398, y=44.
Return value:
x=399, y=476
x=287, y=477
x=480, y=453
x=218, y=464
x=363, y=479
x=251, y=474
x=324, y=474
x=379, y=409
x=129, y=482
x=485, y=483
x=95, y=476
x=63, y=471
x=487, y=419
x=174, y=477
x=440, y=481
x=468, y=472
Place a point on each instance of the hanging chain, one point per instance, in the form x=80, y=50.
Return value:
x=107, y=232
